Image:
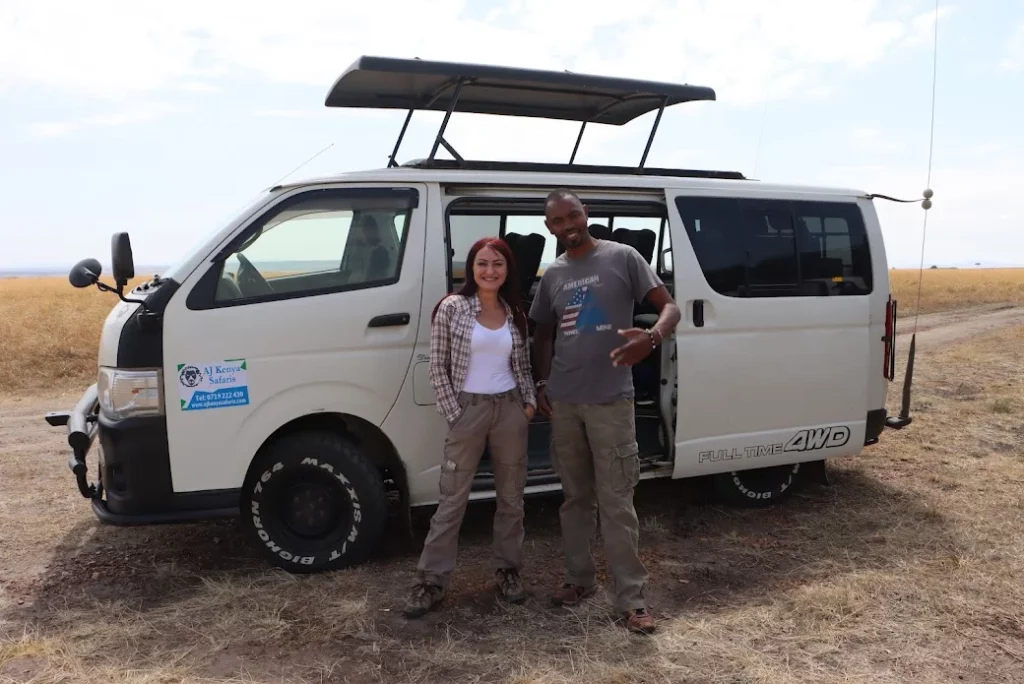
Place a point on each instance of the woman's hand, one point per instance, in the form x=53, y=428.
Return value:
x=530, y=411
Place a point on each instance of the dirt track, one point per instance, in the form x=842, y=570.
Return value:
x=944, y=328
x=55, y=557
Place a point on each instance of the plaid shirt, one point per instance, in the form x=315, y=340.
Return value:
x=451, y=337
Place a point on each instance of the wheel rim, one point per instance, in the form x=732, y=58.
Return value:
x=313, y=506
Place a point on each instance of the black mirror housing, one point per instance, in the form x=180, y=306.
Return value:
x=122, y=263
x=85, y=273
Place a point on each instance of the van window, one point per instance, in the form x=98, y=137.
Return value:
x=778, y=248
x=320, y=241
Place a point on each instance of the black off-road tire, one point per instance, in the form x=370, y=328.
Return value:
x=759, y=487
x=313, y=502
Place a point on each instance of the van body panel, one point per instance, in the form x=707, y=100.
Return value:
x=414, y=427
x=755, y=372
x=878, y=385
x=306, y=353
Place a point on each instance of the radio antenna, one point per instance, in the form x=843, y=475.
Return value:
x=927, y=203
x=303, y=164
x=904, y=418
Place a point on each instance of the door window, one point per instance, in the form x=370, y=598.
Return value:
x=318, y=242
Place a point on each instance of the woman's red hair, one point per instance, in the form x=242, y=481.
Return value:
x=510, y=291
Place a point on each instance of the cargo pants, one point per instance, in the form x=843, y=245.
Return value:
x=500, y=422
x=595, y=454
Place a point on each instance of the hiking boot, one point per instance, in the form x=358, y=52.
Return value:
x=572, y=594
x=509, y=585
x=640, y=621
x=424, y=597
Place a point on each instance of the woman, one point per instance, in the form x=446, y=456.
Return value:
x=480, y=370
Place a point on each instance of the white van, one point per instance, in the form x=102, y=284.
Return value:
x=280, y=371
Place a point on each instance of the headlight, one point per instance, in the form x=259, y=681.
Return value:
x=130, y=393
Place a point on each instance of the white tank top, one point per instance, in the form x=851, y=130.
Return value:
x=490, y=361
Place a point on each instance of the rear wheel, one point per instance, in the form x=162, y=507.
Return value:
x=313, y=502
x=758, y=487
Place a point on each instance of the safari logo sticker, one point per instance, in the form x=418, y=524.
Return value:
x=213, y=385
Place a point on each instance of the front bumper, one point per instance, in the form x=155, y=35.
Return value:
x=134, y=474
x=82, y=423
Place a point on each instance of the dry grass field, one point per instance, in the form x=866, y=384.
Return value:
x=49, y=331
x=907, y=568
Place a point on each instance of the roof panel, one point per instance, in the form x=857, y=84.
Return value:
x=390, y=83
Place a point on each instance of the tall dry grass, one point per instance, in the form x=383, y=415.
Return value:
x=49, y=331
x=950, y=289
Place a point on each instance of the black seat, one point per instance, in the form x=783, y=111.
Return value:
x=528, y=250
x=643, y=240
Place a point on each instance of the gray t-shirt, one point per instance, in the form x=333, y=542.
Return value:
x=589, y=300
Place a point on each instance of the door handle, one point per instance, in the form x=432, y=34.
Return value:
x=698, y=313
x=389, y=320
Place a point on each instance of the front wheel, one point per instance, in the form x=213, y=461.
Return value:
x=758, y=487
x=313, y=502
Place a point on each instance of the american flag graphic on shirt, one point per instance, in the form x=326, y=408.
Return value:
x=573, y=309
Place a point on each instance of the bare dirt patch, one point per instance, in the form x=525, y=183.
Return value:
x=907, y=568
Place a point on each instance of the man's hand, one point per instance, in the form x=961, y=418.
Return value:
x=542, y=402
x=530, y=412
x=637, y=348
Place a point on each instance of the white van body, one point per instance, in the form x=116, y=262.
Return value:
x=281, y=370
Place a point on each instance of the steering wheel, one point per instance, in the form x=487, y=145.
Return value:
x=250, y=281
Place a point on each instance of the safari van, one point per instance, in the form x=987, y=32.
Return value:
x=280, y=372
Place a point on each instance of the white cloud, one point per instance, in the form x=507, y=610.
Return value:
x=922, y=28
x=873, y=141
x=965, y=218
x=119, y=49
x=132, y=114
x=1014, y=59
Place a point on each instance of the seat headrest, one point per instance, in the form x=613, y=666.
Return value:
x=643, y=240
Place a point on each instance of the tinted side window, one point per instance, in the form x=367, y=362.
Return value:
x=715, y=229
x=833, y=246
x=318, y=242
x=777, y=248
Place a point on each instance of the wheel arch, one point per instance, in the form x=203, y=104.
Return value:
x=370, y=439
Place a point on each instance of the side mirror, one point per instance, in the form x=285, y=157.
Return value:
x=121, y=261
x=85, y=273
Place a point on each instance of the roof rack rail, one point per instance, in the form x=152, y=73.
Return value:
x=548, y=167
x=415, y=84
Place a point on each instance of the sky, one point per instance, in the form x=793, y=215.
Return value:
x=164, y=119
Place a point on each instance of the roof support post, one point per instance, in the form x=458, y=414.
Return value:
x=444, y=124
x=577, y=147
x=394, y=153
x=654, y=129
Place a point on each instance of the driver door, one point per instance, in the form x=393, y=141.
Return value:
x=313, y=307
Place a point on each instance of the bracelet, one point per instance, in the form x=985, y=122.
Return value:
x=650, y=333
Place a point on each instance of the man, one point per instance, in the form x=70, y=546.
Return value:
x=587, y=296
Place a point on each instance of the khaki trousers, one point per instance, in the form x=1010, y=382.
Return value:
x=498, y=421
x=595, y=454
